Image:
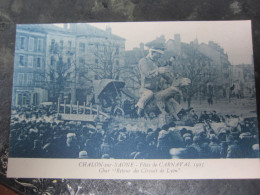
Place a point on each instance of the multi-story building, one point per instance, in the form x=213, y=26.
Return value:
x=174, y=45
x=53, y=61
x=228, y=79
x=29, y=65
x=219, y=60
x=243, y=83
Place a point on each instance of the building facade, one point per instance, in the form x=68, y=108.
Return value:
x=220, y=61
x=29, y=66
x=243, y=82
x=60, y=62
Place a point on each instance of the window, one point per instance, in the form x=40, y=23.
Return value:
x=21, y=60
x=38, y=62
x=81, y=61
x=52, y=41
x=22, y=42
x=20, y=100
x=23, y=98
x=69, y=62
x=30, y=61
x=37, y=78
x=52, y=76
x=117, y=50
x=40, y=45
x=96, y=61
x=52, y=44
x=69, y=45
x=60, y=59
x=61, y=44
x=31, y=44
x=117, y=62
x=20, y=80
x=53, y=61
x=29, y=79
x=82, y=47
x=35, y=99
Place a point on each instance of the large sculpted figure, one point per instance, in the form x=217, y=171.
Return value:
x=158, y=82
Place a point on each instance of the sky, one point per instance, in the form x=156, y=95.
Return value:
x=233, y=36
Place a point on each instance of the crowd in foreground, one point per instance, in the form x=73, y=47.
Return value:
x=35, y=133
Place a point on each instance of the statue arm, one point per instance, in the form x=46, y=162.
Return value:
x=145, y=69
x=152, y=73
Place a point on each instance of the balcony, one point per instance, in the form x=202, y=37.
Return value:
x=55, y=49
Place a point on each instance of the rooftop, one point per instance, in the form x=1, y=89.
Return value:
x=79, y=29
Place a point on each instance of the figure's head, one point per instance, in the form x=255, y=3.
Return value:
x=71, y=138
x=179, y=81
x=83, y=154
x=155, y=54
x=156, y=48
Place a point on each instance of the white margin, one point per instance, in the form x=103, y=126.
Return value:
x=127, y=169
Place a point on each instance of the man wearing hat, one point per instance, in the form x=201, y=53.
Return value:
x=150, y=69
x=152, y=74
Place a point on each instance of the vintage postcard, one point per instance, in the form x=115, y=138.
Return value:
x=134, y=100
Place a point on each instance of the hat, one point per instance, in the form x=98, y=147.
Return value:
x=37, y=143
x=245, y=135
x=176, y=151
x=165, y=127
x=188, y=139
x=33, y=130
x=105, y=156
x=255, y=147
x=186, y=135
x=83, y=154
x=71, y=135
x=157, y=45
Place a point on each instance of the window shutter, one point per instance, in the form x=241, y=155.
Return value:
x=26, y=40
x=26, y=60
x=34, y=61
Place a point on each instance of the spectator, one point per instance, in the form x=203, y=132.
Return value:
x=36, y=133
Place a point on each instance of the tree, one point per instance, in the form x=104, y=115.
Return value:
x=107, y=59
x=194, y=65
x=60, y=71
x=133, y=75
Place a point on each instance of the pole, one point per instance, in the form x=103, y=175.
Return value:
x=97, y=110
x=70, y=106
x=58, y=106
x=77, y=107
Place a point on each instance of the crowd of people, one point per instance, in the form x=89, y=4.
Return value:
x=36, y=133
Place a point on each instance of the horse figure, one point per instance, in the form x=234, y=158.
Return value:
x=165, y=102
